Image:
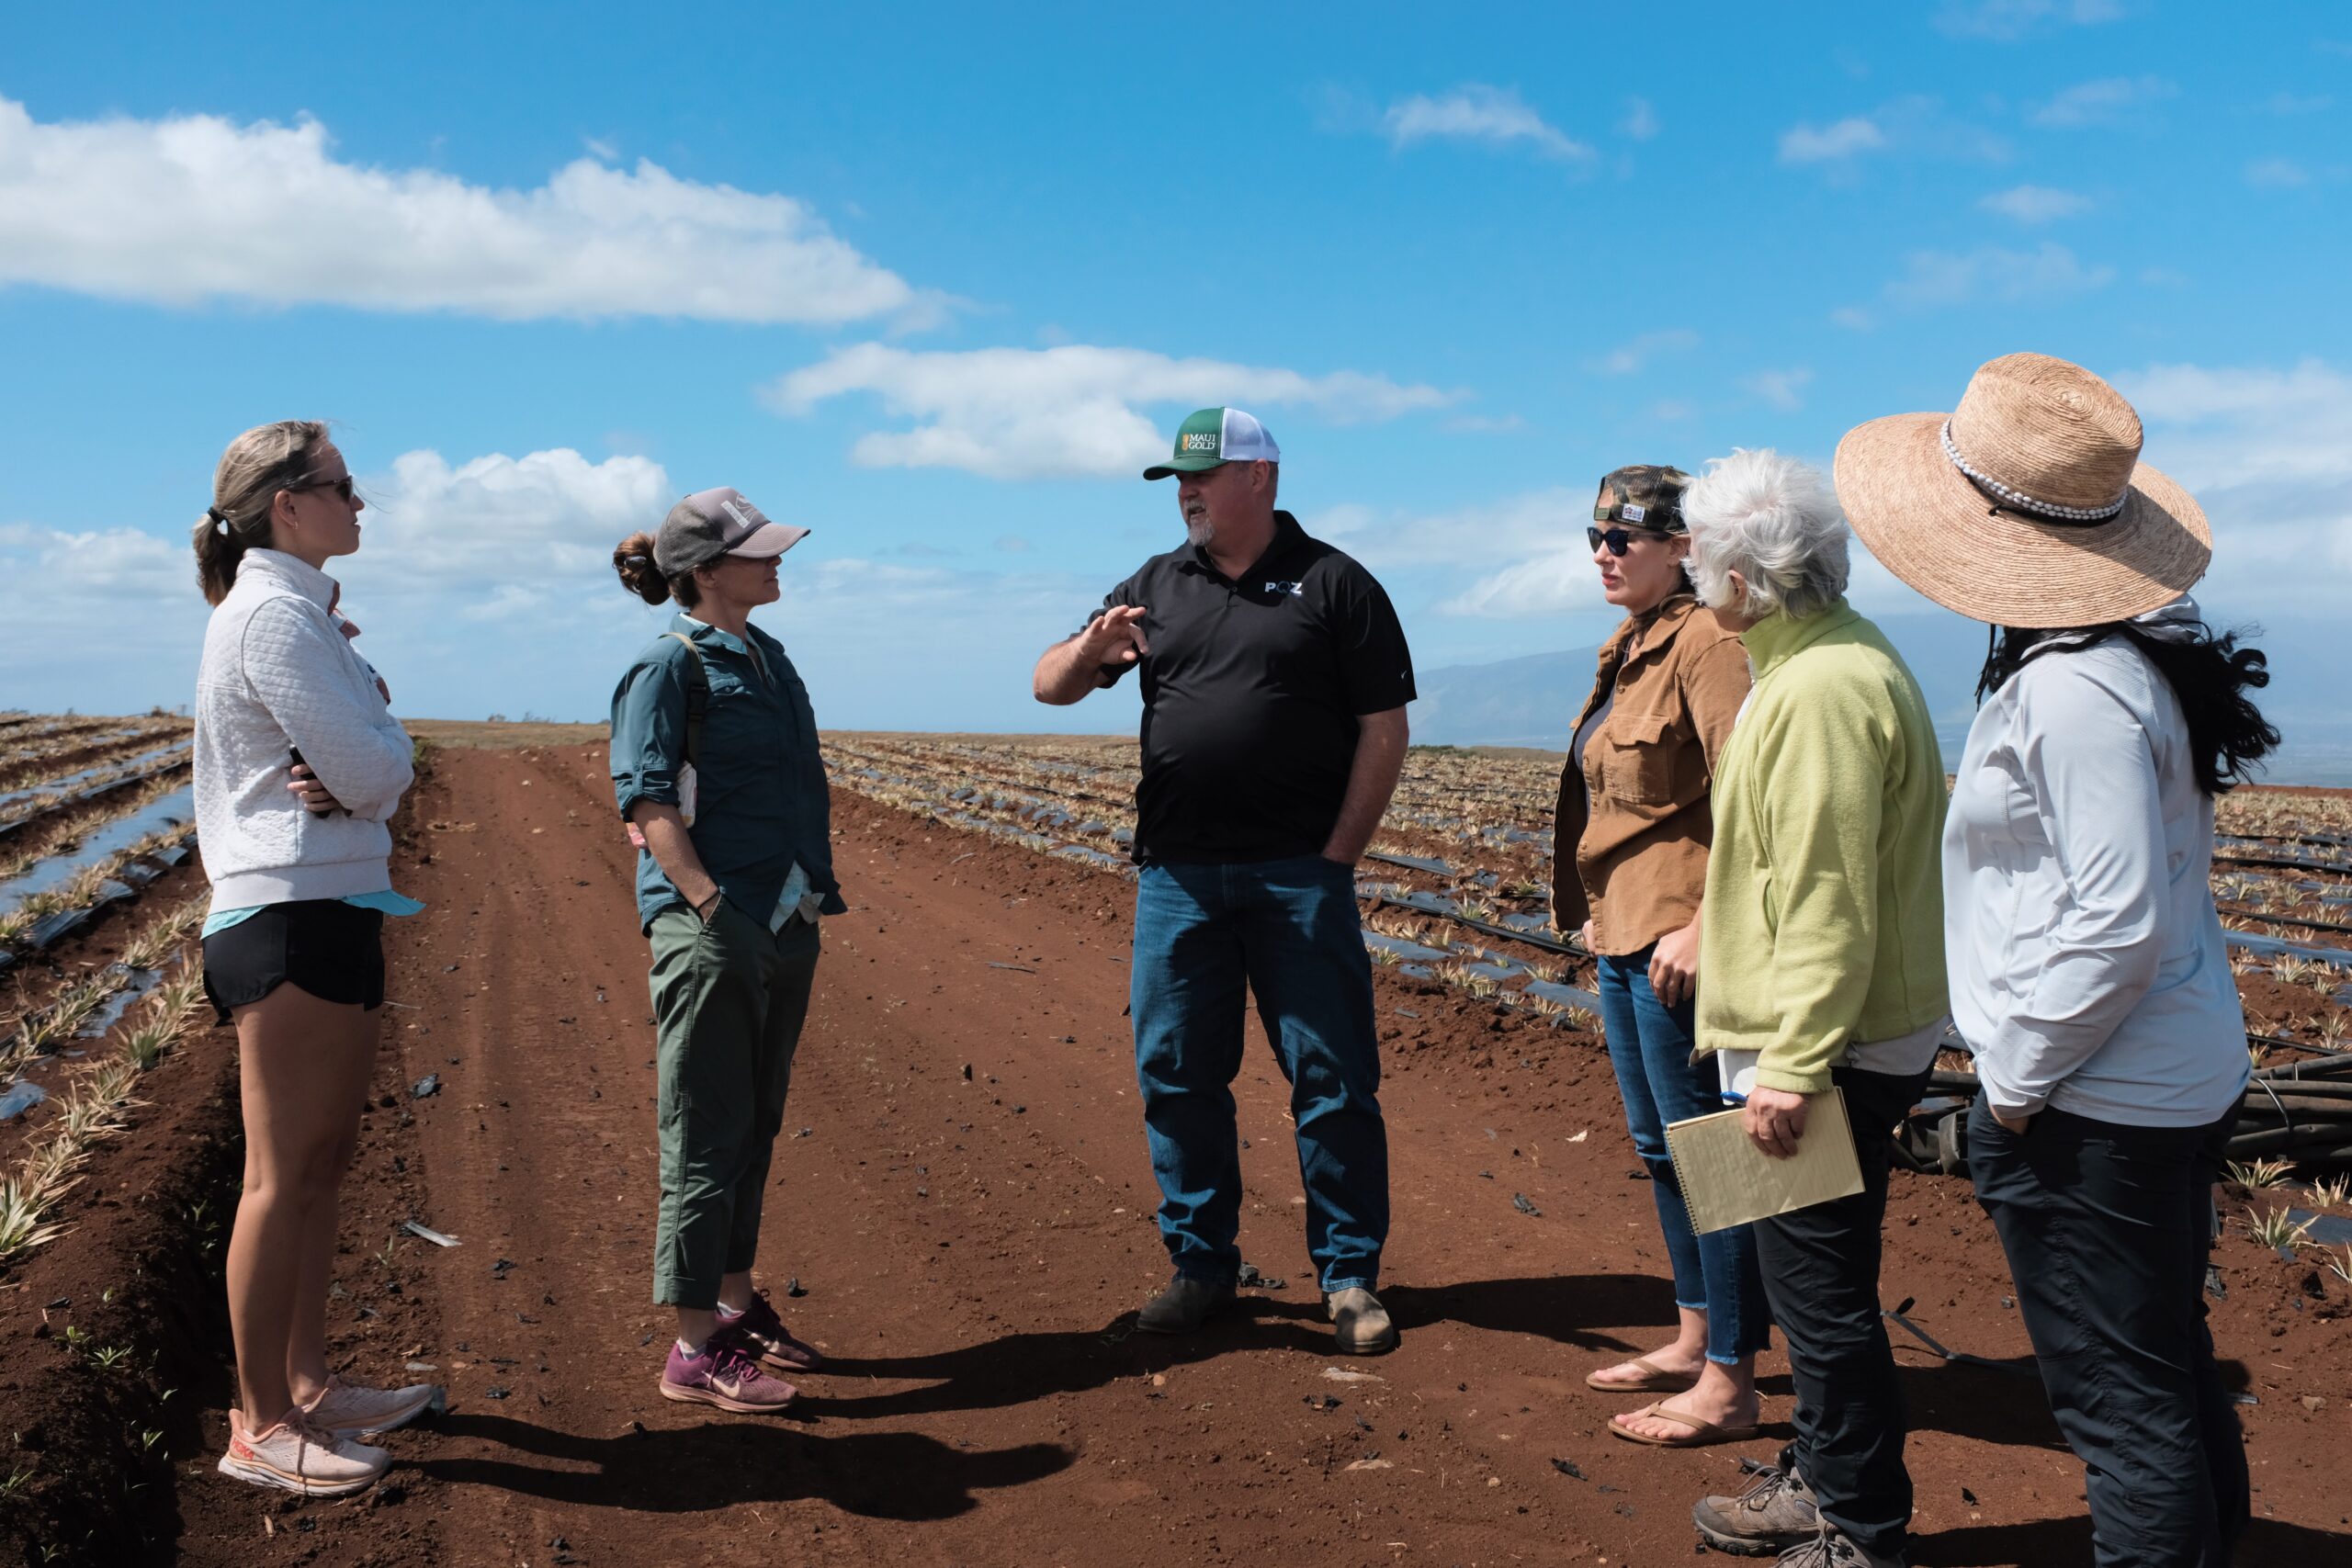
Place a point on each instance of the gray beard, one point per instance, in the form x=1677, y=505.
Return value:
x=1199, y=533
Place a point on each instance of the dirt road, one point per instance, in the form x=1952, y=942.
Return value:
x=963, y=1196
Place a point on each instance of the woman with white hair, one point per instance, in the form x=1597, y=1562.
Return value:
x=2091, y=980
x=1824, y=949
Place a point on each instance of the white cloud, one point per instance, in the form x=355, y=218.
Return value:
x=1640, y=122
x=1935, y=280
x=1474, y=112
x=2276, y=173
x=125, y=565
x=2006, y=20
x=1913, y=126
x=2035, y=204
x=1074, y=411
x=1831, y=143
x=2103, y=102
x=181, y=210
x=1782, y=389
x=2268, y=452
x=2295, y=104
x=1853, y=317
x=1628, y=357
x=544, y=519
x=1525, y=554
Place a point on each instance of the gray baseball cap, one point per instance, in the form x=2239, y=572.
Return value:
x=714, y=523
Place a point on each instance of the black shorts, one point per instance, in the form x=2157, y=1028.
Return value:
x=331, y=949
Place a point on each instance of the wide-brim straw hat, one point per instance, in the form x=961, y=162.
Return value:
x=2028, y=504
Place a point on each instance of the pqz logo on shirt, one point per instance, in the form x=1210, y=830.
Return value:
x=1294, y=588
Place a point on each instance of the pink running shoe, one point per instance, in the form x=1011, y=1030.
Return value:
x=346, y=1409
x=295, y=1456
x=764, y=1335
x=724, y=1375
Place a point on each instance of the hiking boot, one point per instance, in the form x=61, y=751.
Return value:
x=1365, y=1328
x=1832, y=1548
x=726, y=1375
x=346, y=1409
x=764, y=1335
x=1184, y=1305
x=295, y=1456
x=1777, y=1511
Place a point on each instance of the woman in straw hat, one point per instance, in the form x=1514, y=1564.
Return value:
x=1823, y=950
x=2089, y=976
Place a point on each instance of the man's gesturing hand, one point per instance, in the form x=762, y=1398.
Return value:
x=1116, y=636
x=1774, y=1121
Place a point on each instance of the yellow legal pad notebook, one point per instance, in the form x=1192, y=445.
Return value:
x=1726, y=1180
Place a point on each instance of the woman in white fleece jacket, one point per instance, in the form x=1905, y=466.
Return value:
x=298, y=765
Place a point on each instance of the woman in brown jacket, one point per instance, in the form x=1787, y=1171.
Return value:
x=1629, y=865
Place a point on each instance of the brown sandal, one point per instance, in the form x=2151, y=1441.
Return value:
x=1655, y=1379
x=1701, y=1435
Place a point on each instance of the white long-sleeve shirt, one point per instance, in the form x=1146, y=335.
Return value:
x=278, y=675
x=2086, y=961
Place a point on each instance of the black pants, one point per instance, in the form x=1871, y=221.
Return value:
x=2108, y=1228
x=1821, y=1276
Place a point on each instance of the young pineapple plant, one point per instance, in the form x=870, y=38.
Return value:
x=2261, y=1174
x=26, y=1207
x=2277, y=1231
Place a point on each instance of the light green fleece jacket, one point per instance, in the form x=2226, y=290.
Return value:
x=1823, y=925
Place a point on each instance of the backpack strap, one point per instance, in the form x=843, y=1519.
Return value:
x=697, y=697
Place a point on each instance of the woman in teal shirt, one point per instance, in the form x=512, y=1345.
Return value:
x=717, y=771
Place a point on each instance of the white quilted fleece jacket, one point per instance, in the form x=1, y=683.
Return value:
x=277, y=676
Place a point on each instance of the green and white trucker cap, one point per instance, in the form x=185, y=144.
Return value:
x=1218, y=435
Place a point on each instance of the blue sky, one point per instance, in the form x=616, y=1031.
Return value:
x=928, y=280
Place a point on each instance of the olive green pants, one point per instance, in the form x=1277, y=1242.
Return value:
x=728, y=1001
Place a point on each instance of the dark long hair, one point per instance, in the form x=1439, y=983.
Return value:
x=2209, y=673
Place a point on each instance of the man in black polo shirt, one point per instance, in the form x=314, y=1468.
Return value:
x=1274, y=684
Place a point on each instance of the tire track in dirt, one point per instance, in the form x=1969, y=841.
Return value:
x=971, y=1248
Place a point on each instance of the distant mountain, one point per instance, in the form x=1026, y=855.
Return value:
x=1533, y=700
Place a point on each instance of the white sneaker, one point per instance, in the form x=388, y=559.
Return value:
x=346, y=1409
x=295, y=1456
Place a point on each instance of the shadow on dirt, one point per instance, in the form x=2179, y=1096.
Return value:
x=886, y=1476
x=1564, y=1308
x=2267, y=1542
x=1018, y=1367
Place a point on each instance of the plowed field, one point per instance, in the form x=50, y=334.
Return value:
x=964, y=1197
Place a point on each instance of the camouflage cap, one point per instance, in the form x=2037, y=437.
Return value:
x=1643, y=495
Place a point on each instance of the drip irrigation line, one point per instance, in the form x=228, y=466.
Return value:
x=2285, y=1045
x=2289, y=920
x=2266, y=862
x=1506, y=933
x=2025, y=1370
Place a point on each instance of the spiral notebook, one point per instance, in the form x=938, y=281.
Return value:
x=1726, y=1180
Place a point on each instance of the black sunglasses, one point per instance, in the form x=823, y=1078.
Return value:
x=342, y=488
x=1618, y=540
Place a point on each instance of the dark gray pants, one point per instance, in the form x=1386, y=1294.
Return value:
x=2108, y=1228
x=1821, y=1275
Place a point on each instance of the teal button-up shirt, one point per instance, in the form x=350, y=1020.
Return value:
x=761, y=801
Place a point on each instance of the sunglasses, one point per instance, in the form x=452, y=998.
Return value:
x=342, y=488
x=1618, y=540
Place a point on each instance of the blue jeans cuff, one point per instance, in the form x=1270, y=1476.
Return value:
x=1333, y=1287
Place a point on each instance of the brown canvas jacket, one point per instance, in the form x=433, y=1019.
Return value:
x=1629, y=839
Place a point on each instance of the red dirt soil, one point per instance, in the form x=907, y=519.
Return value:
x=972, y=1247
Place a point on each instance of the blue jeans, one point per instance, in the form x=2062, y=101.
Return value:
x=1649, y=1045
x=1287, y=931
